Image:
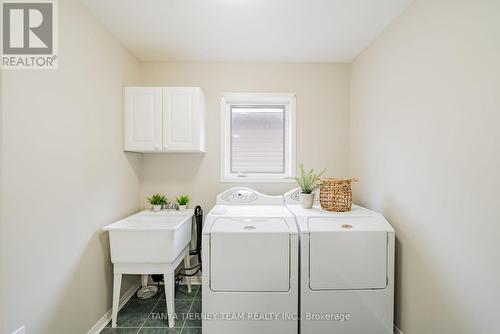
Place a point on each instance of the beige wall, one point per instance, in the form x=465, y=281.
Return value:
x=322, y=121
x=425, y=115
x=65, y=175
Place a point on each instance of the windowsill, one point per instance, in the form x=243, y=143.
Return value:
x=253, y=179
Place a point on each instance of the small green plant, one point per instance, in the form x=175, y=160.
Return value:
x=308, y=181
x=157, y=199
x=183, y=200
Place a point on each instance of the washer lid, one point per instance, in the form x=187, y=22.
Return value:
x=247, y=211
x=250, y=225
x=250, y=254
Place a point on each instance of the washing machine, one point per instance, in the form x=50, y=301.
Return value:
x=250, y=265
x=346, y=270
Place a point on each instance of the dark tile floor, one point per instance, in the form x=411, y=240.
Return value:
x=149, y=316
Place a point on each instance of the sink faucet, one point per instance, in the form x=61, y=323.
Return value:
x=171, y=206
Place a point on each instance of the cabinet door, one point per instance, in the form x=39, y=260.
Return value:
x=143, y=119
x=182, y=119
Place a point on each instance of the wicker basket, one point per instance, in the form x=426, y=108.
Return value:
x=335, y=194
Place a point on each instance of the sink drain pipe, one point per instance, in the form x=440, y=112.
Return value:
x=198, y=215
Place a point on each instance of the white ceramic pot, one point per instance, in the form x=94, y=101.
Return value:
x=156, y=208
x=306, y=200
x=183, y=207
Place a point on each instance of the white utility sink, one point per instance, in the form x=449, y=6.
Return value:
x=150, y=237
x=150, y=243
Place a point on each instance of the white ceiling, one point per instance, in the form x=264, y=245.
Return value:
x=246, y=30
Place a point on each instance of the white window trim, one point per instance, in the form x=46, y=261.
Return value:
x=286, y=99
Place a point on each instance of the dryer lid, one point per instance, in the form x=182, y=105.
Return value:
x=348, y=224
x=347, y=253
x=250, y=225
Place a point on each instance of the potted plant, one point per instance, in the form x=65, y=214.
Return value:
x=308, y=182
x=183, y=201
x=157, y=201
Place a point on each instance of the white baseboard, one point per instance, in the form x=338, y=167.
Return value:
x=397, y=330
x=98, y=327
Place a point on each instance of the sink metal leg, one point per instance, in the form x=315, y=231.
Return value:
x=169, y=281
x=144, y=280
x=187, y=264
x=117, y=283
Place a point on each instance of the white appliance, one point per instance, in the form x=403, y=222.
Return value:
x=250, y=265
x=346, y=270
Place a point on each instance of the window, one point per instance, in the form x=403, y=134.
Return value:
x=258, y=137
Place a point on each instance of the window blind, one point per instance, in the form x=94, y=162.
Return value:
x=257, y=139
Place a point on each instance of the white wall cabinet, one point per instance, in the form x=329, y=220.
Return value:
x=164, y=119
x=143, y=119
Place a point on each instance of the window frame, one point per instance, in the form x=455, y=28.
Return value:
x=286, y=100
